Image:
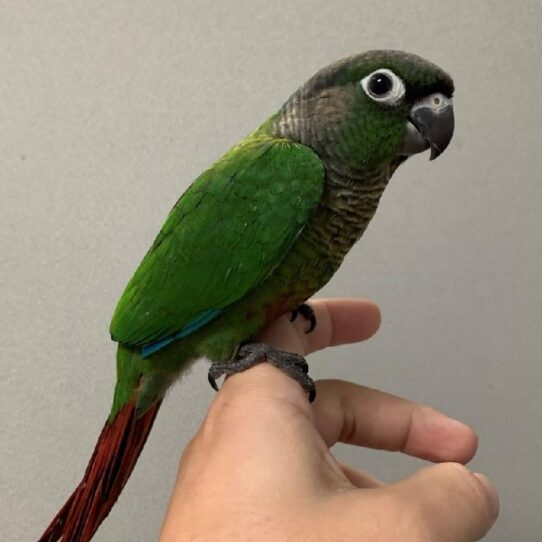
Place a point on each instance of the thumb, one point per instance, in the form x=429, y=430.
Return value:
x=451, y=502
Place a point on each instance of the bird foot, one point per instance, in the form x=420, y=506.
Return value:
x=251, y=354
x=308, y=313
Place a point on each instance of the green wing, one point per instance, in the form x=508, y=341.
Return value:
x=227, y=232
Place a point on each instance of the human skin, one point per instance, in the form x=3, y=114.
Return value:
x=260, y=466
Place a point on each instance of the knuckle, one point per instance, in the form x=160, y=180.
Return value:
x=217, y=416
x=465, y=483
x=455, y=471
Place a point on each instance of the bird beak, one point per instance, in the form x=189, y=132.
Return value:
x=429, y=125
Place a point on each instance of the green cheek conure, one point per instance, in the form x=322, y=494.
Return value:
x=257, y=234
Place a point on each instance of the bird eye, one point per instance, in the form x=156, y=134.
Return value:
x=383, y=86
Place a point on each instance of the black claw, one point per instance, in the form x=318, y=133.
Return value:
x=312, y=395
x=312, y=325
x=212, y=381
x=308, y=313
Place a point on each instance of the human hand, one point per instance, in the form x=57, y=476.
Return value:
x=260, y=467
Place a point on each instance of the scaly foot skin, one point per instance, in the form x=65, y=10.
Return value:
x=308, y=313
x=251, y=354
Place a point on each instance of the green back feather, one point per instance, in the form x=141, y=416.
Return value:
x=228, y=231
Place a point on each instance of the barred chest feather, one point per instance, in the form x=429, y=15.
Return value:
x=350, y=196
x=348, y=204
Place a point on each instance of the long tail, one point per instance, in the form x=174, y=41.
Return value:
x=110, y=466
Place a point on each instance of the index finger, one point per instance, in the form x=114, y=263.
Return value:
x=338, y=321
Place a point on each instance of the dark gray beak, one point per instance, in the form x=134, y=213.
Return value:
x=430, y=125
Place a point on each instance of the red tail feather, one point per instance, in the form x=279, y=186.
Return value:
x=110, y=466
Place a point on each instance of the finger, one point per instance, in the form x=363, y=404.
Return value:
x=262, y=416
x=339, y=321
x=359, y=478
x=452, y=502
x=347, y=412
x=266, y=384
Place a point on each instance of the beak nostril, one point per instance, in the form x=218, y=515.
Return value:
x=430, y=124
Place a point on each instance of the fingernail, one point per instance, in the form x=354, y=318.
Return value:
x=491, y=492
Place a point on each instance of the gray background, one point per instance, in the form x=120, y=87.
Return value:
x=108, y=110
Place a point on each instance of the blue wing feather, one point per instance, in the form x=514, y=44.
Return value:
x=202, y=319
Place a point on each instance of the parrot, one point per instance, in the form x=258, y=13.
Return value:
x=253, y=238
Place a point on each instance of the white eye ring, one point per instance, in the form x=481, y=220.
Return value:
x=383, y=86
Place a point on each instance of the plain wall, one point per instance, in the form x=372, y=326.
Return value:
x=108, y=110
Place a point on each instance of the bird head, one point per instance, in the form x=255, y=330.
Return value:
x=373, y=109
